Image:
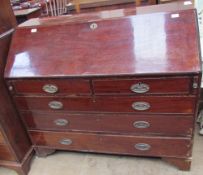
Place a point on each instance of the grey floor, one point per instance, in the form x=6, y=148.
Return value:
x=68, y=163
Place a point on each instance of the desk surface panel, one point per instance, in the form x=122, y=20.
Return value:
x=133, y=45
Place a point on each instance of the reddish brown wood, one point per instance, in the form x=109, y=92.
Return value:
x=2, y=140
x=23, y=167
x=15, y=144
x=159, y=104
x=9, y=121
x=120, y=144
x=71, y=86
x=111, y=123
x=156, y=85
x=126, y=50
x=6, y=154
x=182, y=164
x=7, y=20
x=155, y=48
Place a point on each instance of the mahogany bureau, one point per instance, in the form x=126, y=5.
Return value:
x=109, y=82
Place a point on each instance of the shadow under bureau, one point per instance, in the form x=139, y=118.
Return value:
x=99, y=83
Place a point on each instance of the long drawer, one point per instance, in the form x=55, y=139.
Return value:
x=121, y=144
x=111, y=123
x=164, y=85
x=144, y=104
x=5, y=153
x=51, y=86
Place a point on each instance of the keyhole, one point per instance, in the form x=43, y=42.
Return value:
x=93, y=26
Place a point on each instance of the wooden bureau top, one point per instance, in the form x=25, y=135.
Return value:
x=156, y=43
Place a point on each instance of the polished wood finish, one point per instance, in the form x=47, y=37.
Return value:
x=14, y=144
x=104, y=86
x=23, y=167
x=110, y=123
x=117, y=53
x=157, y=52
x=72, y=86
x=9, y=121
x=157, y=85
x=122, y=144
x=174, y=104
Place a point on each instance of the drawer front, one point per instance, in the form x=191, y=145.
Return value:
x=121, y=144
x=137, y=86
x=2, y=140
x=60, y=86
x=155, y=104
x=5, y=153
x=111, y=123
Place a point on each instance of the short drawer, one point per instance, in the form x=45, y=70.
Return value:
x=165, y=85
x=2, y=140
x=5, y=153
x=50, y=86
x=144, y=104
x=121, y=144
x=111, y=123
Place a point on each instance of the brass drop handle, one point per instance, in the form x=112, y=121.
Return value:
x=141, y=106
x=55, y=105
x=141, y=124
x=50, y=88
x=61, y=122
x=66, y=141
x=142, y=146
x=140, y=88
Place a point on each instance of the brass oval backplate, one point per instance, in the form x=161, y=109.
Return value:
x=55, y=105
x=66, y=141
x=141, y=106
x=50, y=88
x=141, y=124
x=140, y=88
x=61, y=122
x=142, y=146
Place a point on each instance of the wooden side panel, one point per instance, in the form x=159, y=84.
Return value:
x=5, y=153
x=7, y=20
x=2, y=140
x=18, y=142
